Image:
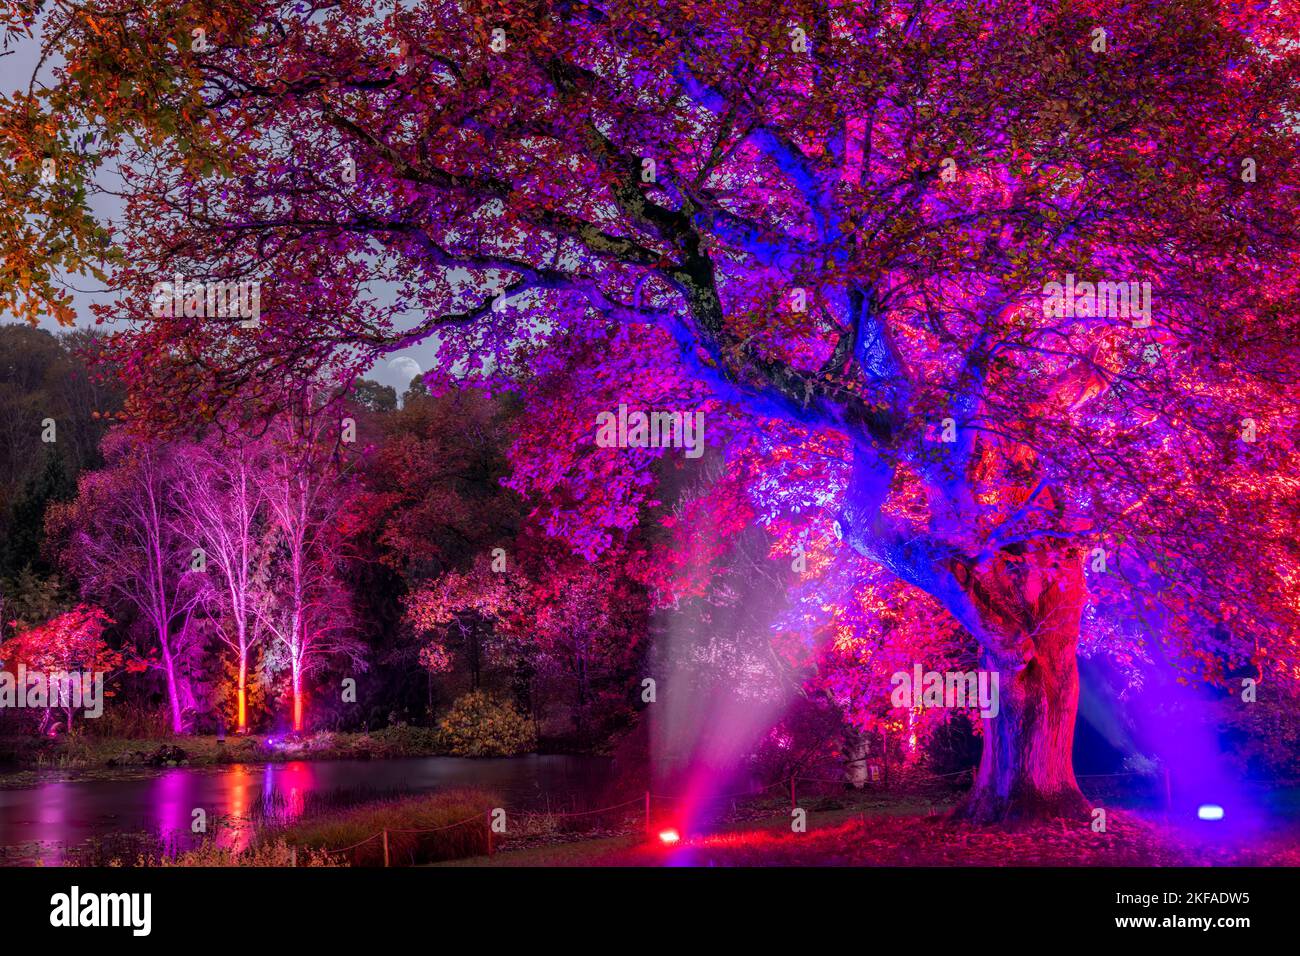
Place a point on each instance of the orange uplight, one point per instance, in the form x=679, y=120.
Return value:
x=669, y=837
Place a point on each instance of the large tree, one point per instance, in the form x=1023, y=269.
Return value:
x=121, y=539
x=831, y=226
x=220, y=508
x=302, y=603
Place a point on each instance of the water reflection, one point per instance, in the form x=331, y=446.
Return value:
x=172, y=804
x=39, y=823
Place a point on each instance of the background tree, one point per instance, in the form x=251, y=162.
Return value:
x=120, y=538
x=433, y=508
x=45, y=377
x=305, y=606
x=220, y=502
x=70, y=643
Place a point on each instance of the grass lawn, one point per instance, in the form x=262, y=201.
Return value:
x=883, y=835
x=77, y=752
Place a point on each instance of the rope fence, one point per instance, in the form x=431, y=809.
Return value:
x=355, y=845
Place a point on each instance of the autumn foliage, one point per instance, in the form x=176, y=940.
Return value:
x=829, y=228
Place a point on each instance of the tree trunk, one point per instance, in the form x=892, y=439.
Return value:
x=173, y=692
x=856, y=746
x=243, y=696
x=296, y=654
x=580, y=712
x=1029, y=607
x=475, y=661
x=297, y=699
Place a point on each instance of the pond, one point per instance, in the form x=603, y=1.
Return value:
x=43, y=822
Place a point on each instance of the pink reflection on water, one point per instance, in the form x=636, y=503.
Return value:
x=52, y=817
x=286, y=787
x=237, y=789
x=176, y=794
x=174, y=805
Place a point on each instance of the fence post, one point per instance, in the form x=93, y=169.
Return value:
x=647, y=813
x=293, y=856
x=794, y=801
x=489, y=832
x=385, y=848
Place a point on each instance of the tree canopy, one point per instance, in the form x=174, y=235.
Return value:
x=992, y=302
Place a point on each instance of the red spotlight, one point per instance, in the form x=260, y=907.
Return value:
x=669, y=837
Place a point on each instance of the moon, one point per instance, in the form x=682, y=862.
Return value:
x=404, y=368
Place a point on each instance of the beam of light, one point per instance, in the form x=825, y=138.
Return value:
x=1172, y=726
x=700, y=740
x=669, y=837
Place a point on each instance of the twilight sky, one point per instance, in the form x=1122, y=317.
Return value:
x=16, y=68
